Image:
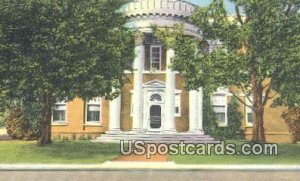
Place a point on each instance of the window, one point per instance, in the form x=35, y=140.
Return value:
x=249, y=112
x=93, y=111
x=219, y=102
x=177, y=105
x=155, y=98
x=155, y=57
x=59, y=112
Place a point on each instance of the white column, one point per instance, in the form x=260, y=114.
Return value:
x=138, y=67
x=114, y=115
x=193, y=111
x=169, y=122
x=200, y=110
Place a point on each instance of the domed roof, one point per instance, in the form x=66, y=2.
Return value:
x=143, y=14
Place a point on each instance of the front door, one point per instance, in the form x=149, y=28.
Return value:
x=155, y=117
x=153, y=110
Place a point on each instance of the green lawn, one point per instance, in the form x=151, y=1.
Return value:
x=86, y=152
x=81, y=152
x=287, y=154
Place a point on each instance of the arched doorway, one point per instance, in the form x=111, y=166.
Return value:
x=155, y=110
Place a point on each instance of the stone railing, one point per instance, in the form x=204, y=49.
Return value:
x=159, y=7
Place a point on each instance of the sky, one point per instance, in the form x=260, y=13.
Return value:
x=228, y=4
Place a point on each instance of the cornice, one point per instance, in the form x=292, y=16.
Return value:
x=167, y=8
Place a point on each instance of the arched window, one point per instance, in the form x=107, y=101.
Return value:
x=155, y=97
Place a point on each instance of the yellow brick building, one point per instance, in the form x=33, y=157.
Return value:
x=154, y=100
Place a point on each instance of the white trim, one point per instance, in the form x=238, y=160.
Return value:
x=59, y=123
x=95, y=101
x=160, y=57
x=151, y=86
x=154, y=84
x=148, y=92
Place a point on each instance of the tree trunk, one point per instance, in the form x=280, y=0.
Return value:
x=258, y=125
x=45, y=126
x=258, y=121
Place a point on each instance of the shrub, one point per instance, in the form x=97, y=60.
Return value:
x=73, y=138
x=65, y=138
x=89, y=137
x=81, y=137
x=210, y=125
x=232, y=130
x=292, y=119
x=59, y=138
x=2, y=124
x=21, y=124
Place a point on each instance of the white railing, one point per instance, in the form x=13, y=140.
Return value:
x=159, y=7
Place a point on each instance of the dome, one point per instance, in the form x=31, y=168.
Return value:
x=163, y=13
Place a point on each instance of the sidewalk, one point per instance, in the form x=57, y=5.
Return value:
x=141, y=158
x=126, y=165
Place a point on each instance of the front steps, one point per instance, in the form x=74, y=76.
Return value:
x=156, y=138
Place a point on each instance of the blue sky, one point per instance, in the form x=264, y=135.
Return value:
x=228, y=4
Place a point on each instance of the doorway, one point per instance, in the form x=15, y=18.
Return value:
x=155, y=117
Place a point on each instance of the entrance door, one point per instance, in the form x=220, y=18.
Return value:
x=155, y=117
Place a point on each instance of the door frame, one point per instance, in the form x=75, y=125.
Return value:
x=161, y=117
x=147, y=105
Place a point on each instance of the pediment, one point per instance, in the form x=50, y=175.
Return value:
x=155, y=84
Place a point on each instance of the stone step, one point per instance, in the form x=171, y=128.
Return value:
x=156, y=138
x=150, y=136
x=155, y=135
x=147, y=139
x=166, y=142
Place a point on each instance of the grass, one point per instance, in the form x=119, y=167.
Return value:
x=86, y=152
x=287, y=154
x=81, y=152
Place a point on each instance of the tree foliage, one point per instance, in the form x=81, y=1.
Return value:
x=56, y=50
x=259, y=51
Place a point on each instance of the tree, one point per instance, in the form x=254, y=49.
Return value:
x=259, y=52
x=56, y=50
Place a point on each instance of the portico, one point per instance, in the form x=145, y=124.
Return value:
x=156, y=108
x=159, y=103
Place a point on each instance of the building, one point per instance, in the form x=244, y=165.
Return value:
x=154, y=104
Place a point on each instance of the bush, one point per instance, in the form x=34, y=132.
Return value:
x=232, y=131
x=81, y=138
x=73, y=138
x=21, y=125
x=292, y=119
x=2, y=124
x=210, y=125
